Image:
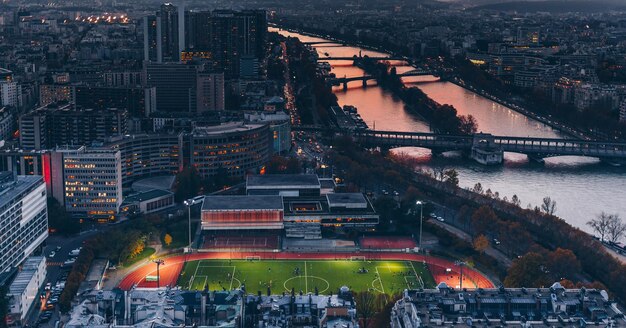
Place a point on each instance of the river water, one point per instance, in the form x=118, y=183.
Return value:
x=582, y=187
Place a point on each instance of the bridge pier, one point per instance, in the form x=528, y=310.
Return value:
x=535, y=158
x=345, y=86
x=364, y=83
x=384, y=151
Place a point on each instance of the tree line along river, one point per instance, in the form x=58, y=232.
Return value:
x=582, y=187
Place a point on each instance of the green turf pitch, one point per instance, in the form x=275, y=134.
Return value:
x=327, y=276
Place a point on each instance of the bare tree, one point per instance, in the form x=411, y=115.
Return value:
x=600, y=224
x=515, y=200
x=616, y=228
x=478, y=188
x=365, y=306
x=548, y=205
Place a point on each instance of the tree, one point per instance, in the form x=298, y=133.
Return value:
x=481, y=243
x=365, y=306
x=4, y=305
x=548, y=205
x=478, y=188
x=616, y=228
x=563, y=264
x=167, y=239
x=187, y=185
x=483, y=219
x=467, y=124
x=527, y=271
x=515, y=200
x=59, y=220
x=600, y=224
x=451, y=176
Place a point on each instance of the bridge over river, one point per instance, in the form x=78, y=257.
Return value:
x=344, y=80
x=486, y=148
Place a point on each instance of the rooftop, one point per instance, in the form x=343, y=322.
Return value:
x=224, y=128
x=23, y=278
x=146, y=195
x=282, y=180
x=12, y=189
x=230, y=203
x=347, y=200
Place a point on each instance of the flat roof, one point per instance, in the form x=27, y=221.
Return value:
x=224, y=128
x=147, y=195
x=282, y=180
x=242, y=202
x=324, y=209
x=348, y=198
x=11, y=190
x=23, y=278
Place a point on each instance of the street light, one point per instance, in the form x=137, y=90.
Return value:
x=421, y=204
x=460, y=264
x=188, y=203
x=158, y=262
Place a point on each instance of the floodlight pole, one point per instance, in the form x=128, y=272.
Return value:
x=421, y=204
x=158, y=262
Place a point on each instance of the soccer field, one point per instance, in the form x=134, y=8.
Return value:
x=325, y=275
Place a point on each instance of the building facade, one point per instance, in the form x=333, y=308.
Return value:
x=55, y=92
x=51, y=126
x=210, y=92
x=88, y=182
x=24, y=218
x=236, y=148
x=175, y=84
x=24, y=289
x=136, y=100
x=147, y=155
x=10, y=92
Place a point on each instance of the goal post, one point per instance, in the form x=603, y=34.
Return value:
x=357, y=258
x=253, y=258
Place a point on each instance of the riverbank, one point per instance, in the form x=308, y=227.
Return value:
x=561, y=128
x=339, y=41
x=567, y=131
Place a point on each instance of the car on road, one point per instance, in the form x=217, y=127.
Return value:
x=440, y=219
x=496, y=241
x=48, y=286
x=58, y=248
x=52, y=254
x=433, y=215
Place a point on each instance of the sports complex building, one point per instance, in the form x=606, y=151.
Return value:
x=293, y=206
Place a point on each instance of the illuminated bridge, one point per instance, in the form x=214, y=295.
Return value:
x=487, y=148
x=344, y=80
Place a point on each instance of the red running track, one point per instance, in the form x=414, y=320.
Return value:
x=174, y=264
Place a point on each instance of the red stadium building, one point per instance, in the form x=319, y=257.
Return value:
x=242, y=213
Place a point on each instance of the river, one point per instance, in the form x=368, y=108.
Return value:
x=582, y=187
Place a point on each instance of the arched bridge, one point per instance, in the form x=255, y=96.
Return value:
x=357, y=57
x=344, y=80
x=487, y=148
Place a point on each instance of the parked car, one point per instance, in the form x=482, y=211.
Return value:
x=440, y=219
x=52, y=254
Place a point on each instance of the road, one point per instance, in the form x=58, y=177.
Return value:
x=448, y=215
x=55, y=269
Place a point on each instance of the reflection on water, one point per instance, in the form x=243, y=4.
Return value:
x=581, y=187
